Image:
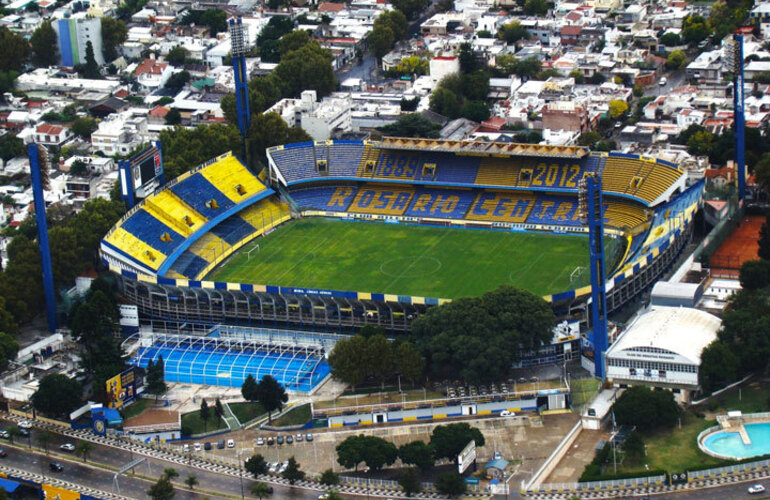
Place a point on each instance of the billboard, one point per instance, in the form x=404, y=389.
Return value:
x=141, y=174
x=122, y=388
x=466, y=457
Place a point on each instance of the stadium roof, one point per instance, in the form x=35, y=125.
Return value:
x=483, y=148
x=680, y=330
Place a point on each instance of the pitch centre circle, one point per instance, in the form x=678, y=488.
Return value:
x=410, y=267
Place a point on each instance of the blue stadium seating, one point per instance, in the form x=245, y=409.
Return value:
x=189, y=265
x=197, y=192
x=345, y=158
x=296, y=161
x=233, y=229
x=333, y=199
x=451, y=168
x=441, y=203
x=149, y=229
x=555, y=210
x=594, y=163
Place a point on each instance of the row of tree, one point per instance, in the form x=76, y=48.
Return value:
x=267, y=392
x=359, y=358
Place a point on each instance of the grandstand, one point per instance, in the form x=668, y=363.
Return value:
x=225, y=356
x=195, y=226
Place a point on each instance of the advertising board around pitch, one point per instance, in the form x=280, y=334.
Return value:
x=466, y=457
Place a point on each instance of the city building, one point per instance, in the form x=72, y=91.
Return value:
x=73, y=35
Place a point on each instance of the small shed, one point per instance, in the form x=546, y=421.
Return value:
x=495, y=469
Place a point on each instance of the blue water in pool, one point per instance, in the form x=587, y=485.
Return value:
x=730, y=444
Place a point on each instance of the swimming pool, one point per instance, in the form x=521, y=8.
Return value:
x=729, y=444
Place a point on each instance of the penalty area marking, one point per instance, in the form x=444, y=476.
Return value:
x=421, y=266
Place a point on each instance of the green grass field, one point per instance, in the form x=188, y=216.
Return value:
x=408, y=260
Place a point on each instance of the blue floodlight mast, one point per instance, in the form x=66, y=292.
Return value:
x=238, y=45
x=591, y=206
x=39, y=170
x=738, y=105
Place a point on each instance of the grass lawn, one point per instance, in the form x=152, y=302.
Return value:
x=247, y=411
x=409, y=260
x=296, y=416
x=751, y=398
x=583, y=390
x=192, y=421
x=136, y=408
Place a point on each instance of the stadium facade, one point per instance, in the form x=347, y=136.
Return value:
x=165, y=247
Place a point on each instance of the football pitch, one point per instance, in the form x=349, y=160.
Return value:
x=409, y=260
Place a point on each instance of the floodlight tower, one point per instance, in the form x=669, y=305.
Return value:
x=38, y=166
x=592, y=212
x=238, y=46
x=734, y=58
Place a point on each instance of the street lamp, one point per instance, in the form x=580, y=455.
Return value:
x=240, y=472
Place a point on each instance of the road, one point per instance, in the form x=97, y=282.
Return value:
x=673, y=81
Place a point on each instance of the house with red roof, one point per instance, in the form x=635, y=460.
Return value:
x=52, y=135
x=152, y=74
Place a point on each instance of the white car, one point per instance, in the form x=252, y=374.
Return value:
x=67, y=447
x=757, y=488
x=186, y=448
x=662, y=82
x=230, y=443
x=25, y=424
x=273, y=467
x=506, y=413
x=260, y=441
x=197, y=447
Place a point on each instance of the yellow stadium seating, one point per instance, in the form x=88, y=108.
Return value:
x=382, y=200
x=266, y=213
x=502, y=206
x=620, y=173
x=502, y=171
x=136, y=248
x=370, y=156
x=233, y=179
x=170, y=209
x=208, y=246
x=623, y=214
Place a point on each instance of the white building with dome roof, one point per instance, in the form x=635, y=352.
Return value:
x=661, y=348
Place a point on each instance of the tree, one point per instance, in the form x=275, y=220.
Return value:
x=724, y=18
x=261, y=490
x=670, y=39
x=645, y=408
x=409, y=7
x=695, y=29
x=478, y=338
x=83, y=449
x=8, y=345
x=57, y=395
x=205, y=413
x=191, y=481
x=44, y=438
x=633, y=447
x=755, y=274
x=271, y=395
x=329, y=478
x=676, y=60
x=589, y=138
x=256, y=465
x=177, y=56
x=700, y=143
x=381, y=40
x=249, y=388
x=513, y=32
x=114, y=34
x=764, y=239
x=410, y=65
x=90, y=68
x=269, y=129
x=219, y=411
x=618, y=108
x=410, y=481
x=170, y=473
x=173, y=117
x=161, y=490
x=448, y=441
x=183, y=148
x=43, y=43
x=178, y=80
x=409, y=362
x=10, y=147
x=379, y=357
x=292, y=472
x=15, y=50
x=7, y=82
x=395, y=20
x=417, y=453
x=451, y=483
x=350, y=452
x=445, y=102
x=467, y=58
x=578, y=76
x=476, y=111
x=762, y=172
x=412, y=125
x=535, y=7
x=596, y=79
x=13, y=431
x=718, y=366
x=374, y=451
x=155, y=383
x=307, y=68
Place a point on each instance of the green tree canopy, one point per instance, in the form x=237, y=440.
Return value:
x=161, y=490
x=90, y=69
x=57, y=395
x=409, y=362
x=84, y=127
x=374, y=451
x=269, y=129
x=417, y=453
x=645, y=408
x=718, y=366
x=177, y=56
x=451, y=483
x=764, y=239
x=395, y=20
x=15, y=51
x=173, y=117
x=155, y=382
x=44, y=50
x=307, y=68
x=513, y=32
x=271, y=395
x=695, y=29
x=381, y=40
x=114, y=34
x=676, y=60
x=214, y=19
x=409, y=479
x=536, y=7
x=249, y=388
x=670, y=39
x=410, y=7
x=412, y=125
x=448, y=441
x=8, y=348
x=478, y=338
x=755, y=274
x=292, y=472
x=184, y=148
x=256, y=465
x=329, y=478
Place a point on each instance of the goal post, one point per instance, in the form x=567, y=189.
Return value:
x=576, y=273
x=255, y=248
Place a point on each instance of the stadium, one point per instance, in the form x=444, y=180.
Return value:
x=335, y=235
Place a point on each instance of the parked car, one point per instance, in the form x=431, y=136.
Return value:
x=23, y=432
x=3, y=454
x=283, y=467
x=272, y=467
x=185, y=448
x=289, y=439
x=207, y=446
x=231, y=443
x=662, y=82
x=270, y=441
x=55, y=467
x=4, y=434
x=308, y=437
x=221, y=444
x=67, y=447
x=260, y=441
x=506, y=413
x=197, y=447
x=25, y=424
x=279, y=440
x=298, y=438
x=756, y=489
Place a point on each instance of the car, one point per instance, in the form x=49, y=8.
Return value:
x=283, y=467
x=272, y=467
x=298, y=438
x=221, y=444
x=25, y=424
x=756, y=489
x=260, y=441
x=270, y=441
x=67, y=447
x=23, y=432
x=323, y=496
x=185, y=448
x=289, y=439
x=231, y=443
x=308, y=437
x=207, y=446
x=662, y=82
x=507, y=413
x=197, y=447
x=3, y=454
x=55, y=467
x=4, y=434
x=279, y=440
